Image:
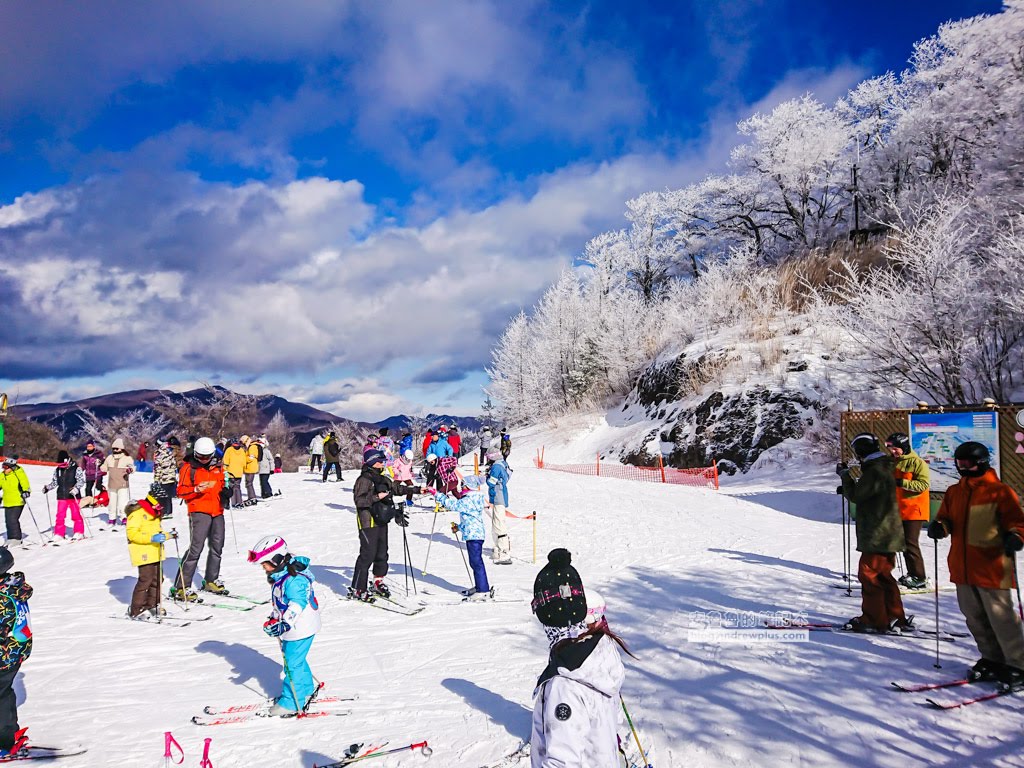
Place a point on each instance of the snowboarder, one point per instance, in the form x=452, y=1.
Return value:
x=879, y=536
x=69, y=480
x=316, y=452
x=117, y=467
x=984, y=518
x=15, y=490
x=575, y=712
x=471, y=525
x=146, y=538
x=201, y=486
x=15, y=648
x=332, y=457
x=497, y=492
x=91, y=463
x=912, y=483
x=294, y=620
x=375, y=508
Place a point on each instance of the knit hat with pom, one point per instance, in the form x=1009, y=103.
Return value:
x=558, y=596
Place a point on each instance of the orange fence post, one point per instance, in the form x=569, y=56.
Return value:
x=715, y=467
x=661, y=466
x=598, y=464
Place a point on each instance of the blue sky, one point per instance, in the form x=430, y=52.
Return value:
x=344, y=203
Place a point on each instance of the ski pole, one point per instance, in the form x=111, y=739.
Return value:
x=49, y=514
x=422, y=746
x=169, y=742
x=433, y=527
x=33, y=516
x=205, y=761
x=636, y=737
x=408, y=565
x=181, y=576
x=288, y=677
x=937, y=664
x=1020, y=608
x=465, y=562
x=234, y=534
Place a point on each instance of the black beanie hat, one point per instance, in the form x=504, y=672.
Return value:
x=62, y=456
x=6, y=561
x=558, y=596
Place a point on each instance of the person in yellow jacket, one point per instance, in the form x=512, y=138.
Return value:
x=235, y=459
x=913, y=479
x=146, y=538
x=15, y=490
x=253, y=454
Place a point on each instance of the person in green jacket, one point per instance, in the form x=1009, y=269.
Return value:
x=879, y=537
x=15, y=490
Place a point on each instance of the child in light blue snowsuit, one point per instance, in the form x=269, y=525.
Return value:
x=294, y=621
x=471, y=525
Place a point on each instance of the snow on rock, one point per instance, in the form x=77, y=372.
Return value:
x=461, y=675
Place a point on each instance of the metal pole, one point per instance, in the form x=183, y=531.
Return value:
x=181, y=577
x=636, y=737
x=937, y=664
x=1020, y=608
x=33, y=516
x=433, y=527
x=408, y=565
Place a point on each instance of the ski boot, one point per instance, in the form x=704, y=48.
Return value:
x=360, y=595
x=144, y=616
x=216, y=587
x=985, y=671
x=1011, y=678
x=158, y=612
x=902, y=626
x=19, y=749
x=378, y=587
x=184, y=595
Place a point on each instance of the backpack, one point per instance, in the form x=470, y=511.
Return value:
x=259, y=452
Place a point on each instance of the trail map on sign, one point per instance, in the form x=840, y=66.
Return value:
x=934, y=436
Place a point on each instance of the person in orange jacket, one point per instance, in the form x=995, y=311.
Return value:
x=201, y=487
x=985, y=521
x=913, y=479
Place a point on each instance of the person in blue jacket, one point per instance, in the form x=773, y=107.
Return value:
x=442, y=447
x=497, y=491
x=405, y=444
x=294, y=621
x=471, y=525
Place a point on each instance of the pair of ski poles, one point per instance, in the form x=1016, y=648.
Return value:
x=433, y=528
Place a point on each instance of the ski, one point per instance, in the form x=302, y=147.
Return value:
x=44, y=753
x=262, y=705
x=246, y=599
x=229, y=606
x=354, y=753
x=944, y=634
x=170, y=621
x=244, y=717
x=930, y=686
x=387, y=606
x=956, y=704
x=521, y=753
x=910, y=635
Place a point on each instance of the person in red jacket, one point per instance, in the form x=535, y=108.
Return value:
x=201, y=487
x=426, y=442
x=985, y=521
x=455, y=440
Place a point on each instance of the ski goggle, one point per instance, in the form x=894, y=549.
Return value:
x=256, y=555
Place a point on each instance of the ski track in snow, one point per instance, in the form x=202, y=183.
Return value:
x=461, y=676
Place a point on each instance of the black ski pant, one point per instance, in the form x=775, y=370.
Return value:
x=146, y=594
x=98, y=482
x=265, y=490
x=8, y=707
x=337, y=470
x=170, y=491
x=205, y=529
x=12, y=516
x=373, y=549
x=428, y=473
x=316, y=461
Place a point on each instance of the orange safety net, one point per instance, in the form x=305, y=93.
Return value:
x=699, y=477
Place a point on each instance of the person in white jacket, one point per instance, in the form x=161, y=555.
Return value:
x=575, y=713
x=316, y=452
x=118, y=466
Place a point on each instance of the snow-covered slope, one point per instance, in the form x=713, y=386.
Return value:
x=461, y=675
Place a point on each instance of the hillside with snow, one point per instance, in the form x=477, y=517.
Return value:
x=460, y=675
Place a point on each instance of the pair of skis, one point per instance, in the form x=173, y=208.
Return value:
x=956, y=703
x=318, y=706
x=389, y=604
x=918, y=634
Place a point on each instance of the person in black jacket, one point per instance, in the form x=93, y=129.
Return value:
x=375, y=507
x=332, y=456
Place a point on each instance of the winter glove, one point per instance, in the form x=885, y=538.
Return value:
x=937, y=531
x=46, y=489
x=455, y=527
x=276, y=627
x=1012, y=543
x=842, y=468
x=159, y=538
x=25, y=495
x=428, y=489
x=401, y=518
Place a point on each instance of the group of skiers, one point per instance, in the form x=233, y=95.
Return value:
x=985, y=522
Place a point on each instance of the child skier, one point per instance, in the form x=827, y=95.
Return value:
x=497, y=492
x=15, y=648
x=69, y=480
x=403, y=475
x=471, y=525
x=294, y=621
x=575, y=714
x=146, y=539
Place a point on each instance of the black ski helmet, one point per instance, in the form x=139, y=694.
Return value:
x=899, y=440
x=6, y=560
x=864, y=445
x=973, y=452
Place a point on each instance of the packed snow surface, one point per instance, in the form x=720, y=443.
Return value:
x=461, y=675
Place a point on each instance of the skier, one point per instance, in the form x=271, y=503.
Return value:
x=201, y=486
x=984, y=518
x=253, y=455
x=91, y=463
x=266, y=467
x=497, y=491
x=140, y=457
x=234, y=460
x=455, y=441
x=486, y=443
x=316, y=452
x=442, y=447
x=117, y=467
x=165, y=471
x=332, y=457
x=386, y=444
x=879, y=537
x=278, y=463
x=575, y=712
x=15, y=490
x=428, y=440
x=471, y=525
x=402, y=471
x=15, y=648
x=912, y=483
x=373, y=494
x=294, y=621
x=69, y=480
x=146, y=538
x=405, y=444
x=505, y=446
x=447, y=476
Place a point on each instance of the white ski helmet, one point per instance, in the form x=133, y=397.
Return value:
x=269, y=549
x=407, y=453
x=431, y=457
x=595, y=607
x=204, y=447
